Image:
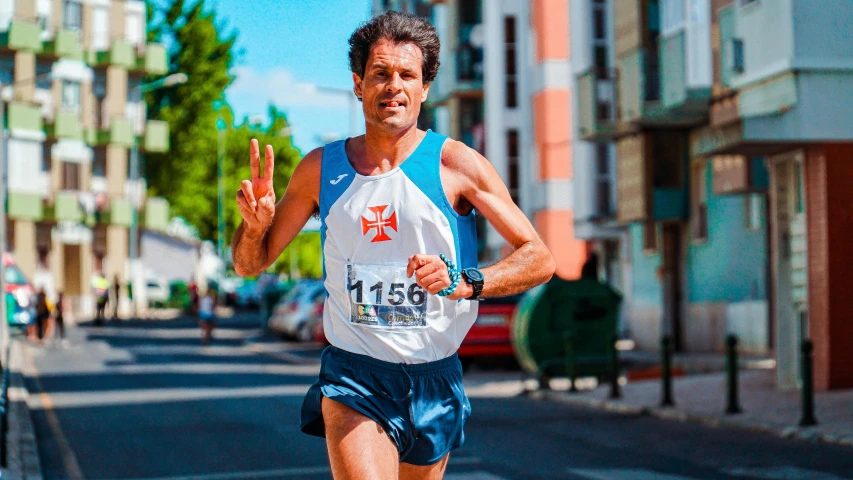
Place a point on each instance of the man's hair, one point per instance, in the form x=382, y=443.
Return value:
x=399, y=28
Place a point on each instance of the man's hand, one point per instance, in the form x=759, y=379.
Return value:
x=256, y=199
x=431, y=274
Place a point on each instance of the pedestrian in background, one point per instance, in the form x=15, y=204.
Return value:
x=101, y=290
x=116, y=296
x=59, y=318
x=42, y=316
x=207, y=315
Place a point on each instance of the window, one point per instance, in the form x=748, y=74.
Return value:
x=673, y=14
x=72, y=15
x=70, y=95
x=43, y=10
x=7, y=70
x=70, y=176
x=799, y=199
x=43, y=80
x=99, y=163
x=700, y=201
x=599, y=20
x=100, y=28
x=133, y=28
x=46, y=157
x=602, y=181
x=512, y=163
x=511, y=52
x=754, y=206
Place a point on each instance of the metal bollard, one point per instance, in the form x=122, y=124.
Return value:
x=807, y=389
x=615, y=392
x=666, y=373
x=731, y=375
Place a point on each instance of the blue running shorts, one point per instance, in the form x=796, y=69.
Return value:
x=422, y=406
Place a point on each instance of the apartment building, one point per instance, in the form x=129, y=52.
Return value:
x=504, y=89
x=70, y=72
x=732, y=124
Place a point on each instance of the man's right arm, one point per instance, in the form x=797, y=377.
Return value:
x=256, y=245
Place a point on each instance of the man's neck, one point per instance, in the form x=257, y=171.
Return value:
x=387, y=150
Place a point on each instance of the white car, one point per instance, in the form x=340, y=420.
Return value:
x=157, y=291
x=295, y=314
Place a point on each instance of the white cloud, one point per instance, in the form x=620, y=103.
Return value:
x=279, y=87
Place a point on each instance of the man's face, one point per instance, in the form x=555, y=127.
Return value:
x=392, y=88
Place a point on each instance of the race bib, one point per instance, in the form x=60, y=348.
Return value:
x=382, y=296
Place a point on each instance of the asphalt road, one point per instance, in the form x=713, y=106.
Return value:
x=146, y=401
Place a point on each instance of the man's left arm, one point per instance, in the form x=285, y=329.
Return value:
x=476, y=180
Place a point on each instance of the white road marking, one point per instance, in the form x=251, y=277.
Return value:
x=472, y=476
x=782, y=473
x=624, y=474
x=315, y=470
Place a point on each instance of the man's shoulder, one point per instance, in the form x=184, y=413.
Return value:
x=460, y=158
x=456, y=155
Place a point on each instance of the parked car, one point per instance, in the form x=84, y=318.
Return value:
x=295, y=315
x=157, y=291
x=489, y=337
x=23, y=309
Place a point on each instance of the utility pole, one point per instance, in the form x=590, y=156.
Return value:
x=220, y=208
x=134, y=262
x=4, y=328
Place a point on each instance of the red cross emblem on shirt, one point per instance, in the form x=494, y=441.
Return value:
x=379, y=223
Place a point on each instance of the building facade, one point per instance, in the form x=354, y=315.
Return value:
x=70, y=72
x=504, y=89
x=731, y=130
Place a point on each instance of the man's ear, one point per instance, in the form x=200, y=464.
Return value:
x=356, y=85
x=425, y=93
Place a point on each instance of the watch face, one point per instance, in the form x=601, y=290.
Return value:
x=474, y=274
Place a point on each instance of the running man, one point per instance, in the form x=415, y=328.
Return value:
x=400, y=255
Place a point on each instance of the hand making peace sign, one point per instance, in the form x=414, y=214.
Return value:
x=256, y=199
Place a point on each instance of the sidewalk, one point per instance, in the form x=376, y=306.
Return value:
x=22, y=456
x=701, y=398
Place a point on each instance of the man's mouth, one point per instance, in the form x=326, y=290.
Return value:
x=390, y=104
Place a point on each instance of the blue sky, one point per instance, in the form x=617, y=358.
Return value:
x=286, y=46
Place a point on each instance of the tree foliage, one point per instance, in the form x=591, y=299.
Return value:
x=187, y=175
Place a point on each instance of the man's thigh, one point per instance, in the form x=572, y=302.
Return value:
x=358, y=447
x=428, y=472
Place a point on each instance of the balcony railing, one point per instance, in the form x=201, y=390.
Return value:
x=469, y=63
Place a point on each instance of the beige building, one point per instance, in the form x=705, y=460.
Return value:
x=70, y=72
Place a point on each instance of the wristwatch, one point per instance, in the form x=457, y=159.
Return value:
x=475, y=278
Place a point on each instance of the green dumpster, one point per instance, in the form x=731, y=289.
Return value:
x=567, y=328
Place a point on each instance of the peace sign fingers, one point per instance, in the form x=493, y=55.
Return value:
x=255, y=159
x=268, y=164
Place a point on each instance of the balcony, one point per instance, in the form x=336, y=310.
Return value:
x=121, y=53
x=22, y=35
x=738, y=174
x=120, y=213
x=66, y=125
x=66, y=207
x=24, y=116
x=154, y=61
x=120, y=132
x=683, y=104
x=156, y=215
x=651, y=178
x=597, y=104
x=639, y=87
x=66, y=44
x=26, y=206
x=156, y=136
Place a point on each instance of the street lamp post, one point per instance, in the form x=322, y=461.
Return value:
x=135, y=266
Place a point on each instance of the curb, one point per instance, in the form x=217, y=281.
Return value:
x=806, y=434
x=23, y=455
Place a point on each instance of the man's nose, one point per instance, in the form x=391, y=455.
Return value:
x=395, y=83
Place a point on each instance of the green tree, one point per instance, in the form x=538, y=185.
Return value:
x=186, y=175
x=305, y=249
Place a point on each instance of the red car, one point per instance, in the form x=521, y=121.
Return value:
x=489, y=336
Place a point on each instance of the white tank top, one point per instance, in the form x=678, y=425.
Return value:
x=371, y=225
